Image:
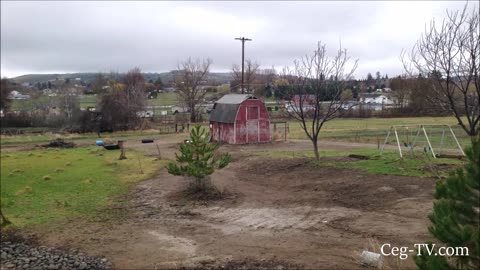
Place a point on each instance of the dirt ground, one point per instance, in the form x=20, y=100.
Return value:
x=282, y=210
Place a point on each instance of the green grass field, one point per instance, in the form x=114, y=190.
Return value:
x=41, y=186
x=40, y=138
x=364, y=130
x=389, y=162
x=372, y=130
x=88, y=101
x=163, y=99
x=30, y=104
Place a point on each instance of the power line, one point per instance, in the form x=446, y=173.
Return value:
x=243, y=39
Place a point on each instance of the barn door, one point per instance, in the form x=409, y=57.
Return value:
x=252, y=124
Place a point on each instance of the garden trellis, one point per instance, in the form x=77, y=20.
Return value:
x=410, y=130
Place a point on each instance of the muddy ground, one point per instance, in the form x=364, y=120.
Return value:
x=284, y=211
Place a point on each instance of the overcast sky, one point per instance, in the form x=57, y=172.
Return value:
x=48, y=37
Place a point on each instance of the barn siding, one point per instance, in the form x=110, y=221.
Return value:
x=238, y=133
x=263, y=122
x=222, y=132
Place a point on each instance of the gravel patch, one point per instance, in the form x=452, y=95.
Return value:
x=23, y=256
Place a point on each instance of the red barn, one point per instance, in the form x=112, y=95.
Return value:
x=239, y=119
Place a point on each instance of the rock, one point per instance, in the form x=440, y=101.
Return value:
x=371, y=259
x=3, y=256
x=82, y=266
x=52, y=267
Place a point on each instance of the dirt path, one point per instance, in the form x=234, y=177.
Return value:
x=284, y=210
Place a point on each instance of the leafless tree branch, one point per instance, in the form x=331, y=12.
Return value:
x=449, y=55
x=317, y=82
x=191, y=75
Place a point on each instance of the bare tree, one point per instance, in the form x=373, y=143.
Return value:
x=69, y=104
x=191, y=75
x=402, y=89
x=114, y=115
x=121, y=105
x=317, y=84
x=4, y=92
x=268, y=75
x=250, y=75
x=135, y=90
x=99, y=83
x=449, y=55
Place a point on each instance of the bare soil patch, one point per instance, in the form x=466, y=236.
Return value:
x=279, y=213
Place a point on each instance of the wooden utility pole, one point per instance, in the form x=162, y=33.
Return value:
x=243, y=39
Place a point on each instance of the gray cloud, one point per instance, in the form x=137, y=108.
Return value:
x=40, y=37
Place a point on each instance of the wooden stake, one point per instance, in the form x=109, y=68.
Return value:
x=122, y=151
x=159, y=154
x=140, y=165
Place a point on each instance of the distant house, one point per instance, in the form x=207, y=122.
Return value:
x=145, y=114
x=383, y=90
x=49, y=92
x=179, y=109
x=17, y=95
x=304, y=100
x=376, y=99
x=53, y=110
x=169, y=89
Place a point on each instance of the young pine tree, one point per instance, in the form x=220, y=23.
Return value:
x=456, y=216
x=197, y=159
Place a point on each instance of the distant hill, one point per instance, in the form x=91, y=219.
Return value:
x=34, y=78
x=219, y=77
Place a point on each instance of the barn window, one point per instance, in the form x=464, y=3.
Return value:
x=252, y=113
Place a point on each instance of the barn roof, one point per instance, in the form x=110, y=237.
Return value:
x=225, y=109
x=235, y=98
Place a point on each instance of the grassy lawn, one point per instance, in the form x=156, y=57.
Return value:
x=373, y=130
x=41, y=186
x=389, y=163
x=167, y=99
x=365, y=130
x=88, y=101
x=30, y=104
x=163, y=99
x=19, y=139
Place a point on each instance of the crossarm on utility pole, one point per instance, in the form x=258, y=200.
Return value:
x=243, y=39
